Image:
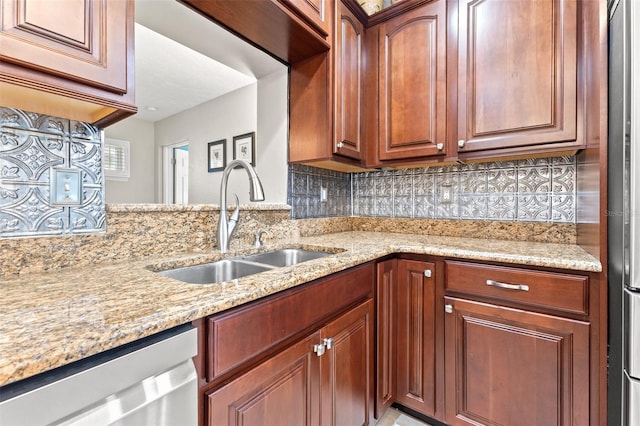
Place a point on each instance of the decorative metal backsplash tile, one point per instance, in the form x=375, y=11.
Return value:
x=531, y=190
x=31, y=145
x=304, y=190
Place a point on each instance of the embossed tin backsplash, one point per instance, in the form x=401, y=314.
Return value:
x=530, y=190
x=31, y=146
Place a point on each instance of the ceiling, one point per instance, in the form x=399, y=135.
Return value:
x=183, y=60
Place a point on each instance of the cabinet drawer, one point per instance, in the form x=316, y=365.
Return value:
x=238, y=336
x=546, y=290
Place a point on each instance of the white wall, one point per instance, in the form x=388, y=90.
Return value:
x=273, y=126
x=261, y=107
x=222, y=118
x=140, y=188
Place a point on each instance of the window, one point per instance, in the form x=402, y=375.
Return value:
x=115, y=159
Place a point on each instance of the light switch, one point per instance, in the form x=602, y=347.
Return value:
x=324, y=194
x=446, y=194
x=66, y=187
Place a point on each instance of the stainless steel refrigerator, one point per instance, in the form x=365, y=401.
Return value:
x=623, y=213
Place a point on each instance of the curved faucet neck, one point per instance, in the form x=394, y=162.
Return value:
x=256, y=193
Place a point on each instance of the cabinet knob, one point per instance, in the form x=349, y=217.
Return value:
x=319, y=349
x=427, y=273
x=448, y=309
x=461, y=143
x=328, y=343
x=340, y=145
x=440, y=146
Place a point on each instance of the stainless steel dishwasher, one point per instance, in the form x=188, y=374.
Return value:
x=149, y=382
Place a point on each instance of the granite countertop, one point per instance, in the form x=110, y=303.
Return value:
x=51, y=319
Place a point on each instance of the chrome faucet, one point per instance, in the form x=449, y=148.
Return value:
x=226, y=225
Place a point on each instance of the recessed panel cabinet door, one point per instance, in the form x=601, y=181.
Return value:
x=282, y=391
x=517, y=73
x=412, y=85
x=512, y=367
x=315, y=11
x=386, y=348
x=81, y=40
x=348, y=83
x=347, y=369
x=416, y=292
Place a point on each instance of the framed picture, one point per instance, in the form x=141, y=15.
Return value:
x=244, y=148
x=217, y=155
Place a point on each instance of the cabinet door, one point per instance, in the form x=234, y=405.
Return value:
x=415, y=387
x=513, y=367
x=517, y=73
x=386, y=335
x=85, y=41
x=315, y=11
x=347, y=369
x=348, y=65
x=412, y=83
x=282, y=391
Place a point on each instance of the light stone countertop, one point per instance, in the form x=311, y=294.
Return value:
x=51, y=319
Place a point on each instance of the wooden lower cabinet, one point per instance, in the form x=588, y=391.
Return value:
x=415, y=336
x=507, y=366
x=347, y=369
x=406, y=335
x=283, y=390
x=386, y=283
x=324, y=379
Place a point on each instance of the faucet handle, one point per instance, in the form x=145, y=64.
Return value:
x=258, y=241
x=236, y=213
x=233, y=220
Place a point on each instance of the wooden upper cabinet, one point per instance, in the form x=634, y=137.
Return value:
x=79, y=50
x=80, y=40
x=315, y=12
x=412, y=83
x=517, y=73
x=348, y=74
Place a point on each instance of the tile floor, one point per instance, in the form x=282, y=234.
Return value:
x=393, y=417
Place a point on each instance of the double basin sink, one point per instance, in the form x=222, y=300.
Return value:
x=241, y=266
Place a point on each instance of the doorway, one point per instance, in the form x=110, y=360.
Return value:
x=175, y=176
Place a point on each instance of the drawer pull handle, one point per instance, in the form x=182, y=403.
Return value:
x=520, y=287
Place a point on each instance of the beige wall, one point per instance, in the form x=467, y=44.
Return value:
x=140, y=187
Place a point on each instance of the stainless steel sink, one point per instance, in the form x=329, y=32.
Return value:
x=241, y=266
x=216, y=272
x=286, y=257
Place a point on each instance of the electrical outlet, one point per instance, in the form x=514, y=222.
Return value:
x=446, y=194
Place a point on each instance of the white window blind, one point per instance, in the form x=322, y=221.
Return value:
x=115, y=159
